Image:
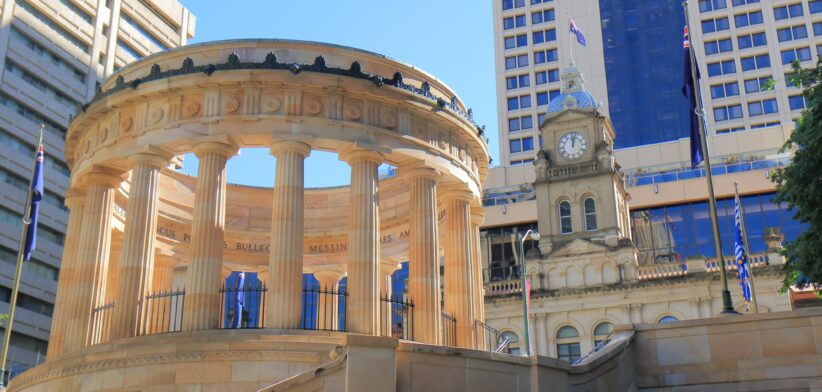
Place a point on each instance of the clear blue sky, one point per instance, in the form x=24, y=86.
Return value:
x=451, y=39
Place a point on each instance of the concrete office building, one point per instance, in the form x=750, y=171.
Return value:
x=53, y=53
x=633, y=64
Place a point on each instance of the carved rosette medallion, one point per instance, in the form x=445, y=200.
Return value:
x=156, y=115
x=191, y=109
x=271, y=105
x=313, y=107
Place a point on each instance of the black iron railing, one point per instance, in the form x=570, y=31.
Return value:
x=243, y=307
x=163, y=312
x=324, y=309
x=449, y=330
x=487, y=337
x=101, y=323
x=398, y=314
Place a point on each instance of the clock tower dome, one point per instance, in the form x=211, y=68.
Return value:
x=580, y=193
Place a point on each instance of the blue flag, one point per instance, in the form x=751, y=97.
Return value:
x=239, y=302
x=741, y=259
x=573, y=29
x=36, y=197
x=692, y=95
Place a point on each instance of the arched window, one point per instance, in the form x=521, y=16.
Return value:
x=568, y=344
x=590, y=210
x=564, y=214
x=512, y=346
x=667, y=319
x=601, y=333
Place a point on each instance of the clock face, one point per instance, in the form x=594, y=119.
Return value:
x=572, y=145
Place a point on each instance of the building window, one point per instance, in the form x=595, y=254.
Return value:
x=757, y=84
x=793, y=33
x=521, y=102
x=797, y=102
x=544, y=36
x=513, y=22
x=719, y=46
x=711, y=5
x=512, y=346
x=752, y=40
x=568, y=344
x=515, y=82
x=602, y=331
x=724, y=90
x=548, y=56
x=520, y=123
x=667, y=319
x=714, y=25
x=737, y=3
x=726, y=113
x=748, y=19
x=787, y=11
x=815, y=6
x=590, y=211
x=542, y=16
x=521, y=145
x=758, y=108
x=755, y=62
x=564, y=214
x=542, y=98
x=800, y=54
x=510, y=4
x=726, y=67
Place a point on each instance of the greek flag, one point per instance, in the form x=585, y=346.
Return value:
x=739, y=255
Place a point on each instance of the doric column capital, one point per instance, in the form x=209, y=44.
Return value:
x=328, y=275
x=358, y=154
x=455, y=193
x=103, y=176
x=280, y=146
x=224, y=149
x=415, y=171
x=155, y=160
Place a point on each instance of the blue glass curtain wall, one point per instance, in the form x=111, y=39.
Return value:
x=674, y=233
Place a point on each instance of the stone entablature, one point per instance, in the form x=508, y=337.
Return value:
x=268, y=103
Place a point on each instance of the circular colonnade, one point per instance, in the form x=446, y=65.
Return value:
x=134, y=220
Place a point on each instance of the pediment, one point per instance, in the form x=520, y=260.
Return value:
x=579, y=247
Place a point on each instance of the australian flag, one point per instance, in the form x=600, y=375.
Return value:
x=573, y=29
x=689, y=92
x=36, y=197
x=741, y=259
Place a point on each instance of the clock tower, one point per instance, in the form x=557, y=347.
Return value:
x=580, y=194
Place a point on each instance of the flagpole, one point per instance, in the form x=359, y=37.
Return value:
x=19, y=271
x=727, y=304
x=747, y=249
x=570, y=42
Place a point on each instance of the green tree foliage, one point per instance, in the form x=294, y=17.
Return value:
x=799, y=185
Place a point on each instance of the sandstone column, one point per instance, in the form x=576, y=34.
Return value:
x=459, y=268
x=137, y=259
x=328, y=304
x=89, y=288
x=477, y=218
x=363, y=241
x=66, y=284
x=386, y=291
x=202, y=300
x=423, y=261
x=285, y=263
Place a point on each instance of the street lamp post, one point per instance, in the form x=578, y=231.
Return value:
x=530, y=234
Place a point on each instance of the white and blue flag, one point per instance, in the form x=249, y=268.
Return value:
x=573, y=29
x=740, y=256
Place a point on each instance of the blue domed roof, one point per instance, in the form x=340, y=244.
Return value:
x=573, y=100
x=572, y=94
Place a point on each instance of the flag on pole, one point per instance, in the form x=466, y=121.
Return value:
x=688, y=90
x=573, y=29
x=740, y=257
x=36, y=197
x=239, y=301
